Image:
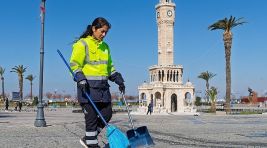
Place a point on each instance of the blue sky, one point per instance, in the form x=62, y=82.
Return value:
x=133, y=41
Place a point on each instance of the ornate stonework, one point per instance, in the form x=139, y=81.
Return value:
x=165, y=88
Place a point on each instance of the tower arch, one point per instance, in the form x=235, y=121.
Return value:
x=142, y=99
x=188, y=98
x=158, y=98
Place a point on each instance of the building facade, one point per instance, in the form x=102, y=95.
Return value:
x=165, y=89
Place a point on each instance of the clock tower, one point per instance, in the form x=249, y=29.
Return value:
x=165, y=14
x=165, y=89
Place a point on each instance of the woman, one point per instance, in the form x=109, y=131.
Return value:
x=92, y=64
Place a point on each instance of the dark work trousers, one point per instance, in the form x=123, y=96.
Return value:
x=93, y=121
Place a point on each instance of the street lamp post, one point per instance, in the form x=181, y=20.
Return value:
x=40, y=120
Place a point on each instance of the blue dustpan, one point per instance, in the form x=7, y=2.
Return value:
x=138, y=137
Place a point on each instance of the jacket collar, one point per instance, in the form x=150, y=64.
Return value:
x=94, y=40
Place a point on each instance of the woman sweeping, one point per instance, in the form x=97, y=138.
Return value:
x=92, y=65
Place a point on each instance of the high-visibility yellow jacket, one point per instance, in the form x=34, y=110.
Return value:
x=92, y=58
x=91, y=61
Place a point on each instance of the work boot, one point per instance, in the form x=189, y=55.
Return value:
x=83, y=143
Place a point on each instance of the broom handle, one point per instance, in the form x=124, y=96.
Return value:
x=87, y=95
x=127, y=107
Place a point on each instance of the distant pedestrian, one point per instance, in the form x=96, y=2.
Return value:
x=73, y=105
x=20, y=106
x=6, y=104
x=16, y=106
x=149, y=108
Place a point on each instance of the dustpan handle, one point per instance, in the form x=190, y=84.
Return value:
x=87, y=95
x=127, y=107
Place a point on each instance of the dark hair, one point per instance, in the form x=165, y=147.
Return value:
x=97, y=23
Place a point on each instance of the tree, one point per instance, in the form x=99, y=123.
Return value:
x=30, y=78
x=35, y=101
x=207, y=76
x=198, y=101
x=213, y=96
x=20, y=70
x=226, y=25
x=2, y=71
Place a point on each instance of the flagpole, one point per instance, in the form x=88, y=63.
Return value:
x=40, y=120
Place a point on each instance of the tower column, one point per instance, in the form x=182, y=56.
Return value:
x=165, y=12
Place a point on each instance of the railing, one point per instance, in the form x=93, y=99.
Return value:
x=234, y=109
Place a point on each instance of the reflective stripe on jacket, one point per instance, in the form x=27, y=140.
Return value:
x=93, y=58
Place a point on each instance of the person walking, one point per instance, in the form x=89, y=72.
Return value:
x=149, y=108
x=20, y=106
x=16, y=106
x=6, y=104
x=92, y=65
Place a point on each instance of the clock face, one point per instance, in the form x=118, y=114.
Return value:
x=169, y=13
x=158, y=14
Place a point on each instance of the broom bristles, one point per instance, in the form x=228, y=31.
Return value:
x=116, y=138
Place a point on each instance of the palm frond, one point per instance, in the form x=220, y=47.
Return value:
x=212, y=93
x=227, y=24
x=206, y=75
x=2, y=71
x=20, y=69
x=30, y=77
x=218, y=25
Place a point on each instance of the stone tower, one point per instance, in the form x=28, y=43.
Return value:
x=165, y=89
x=165, y=20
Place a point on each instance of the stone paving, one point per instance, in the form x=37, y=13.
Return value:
x=64, y=129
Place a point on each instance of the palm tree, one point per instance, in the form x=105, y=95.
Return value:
x=212, y=93
x=226, y=25
x=207, y=76
x=30, y=78
x=2, y=71
x=20, y=70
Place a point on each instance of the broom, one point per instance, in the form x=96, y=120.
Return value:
x=115, y=137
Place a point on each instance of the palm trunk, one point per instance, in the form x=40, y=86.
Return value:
x=31, y=91
x=213, y=107
x=208, y=88
x=21, y=87
x=228, y=44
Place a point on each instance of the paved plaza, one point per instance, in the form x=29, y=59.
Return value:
x=64, y=129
